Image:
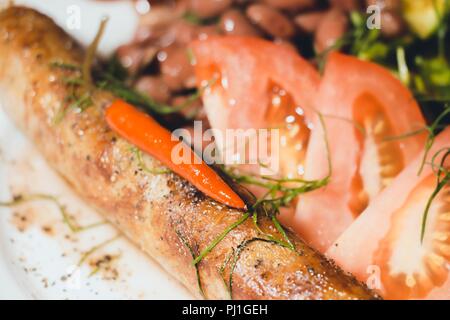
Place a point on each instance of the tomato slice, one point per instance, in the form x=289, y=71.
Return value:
x=363, y=105
x=383, y=246
x=257, y=84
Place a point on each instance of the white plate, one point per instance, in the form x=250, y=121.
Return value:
x=40, y=255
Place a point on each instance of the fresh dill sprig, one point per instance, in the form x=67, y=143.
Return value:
x=123, y=91
x=65, y=66
x=442, y=174
x=90, y=56
x=218, y=239
x=78, y=81
x=79, y=104
x=279, y=194
x=76, y=99
x=406, y=135
x=432, y=132
x=286, y=243
x=320, y=58
x=191, y=17
x=442, y=179
x=81, y=85
x=356, y=124
x=194, y=18
x=88, y=253
x=191, y=251
x=237, y=254
x=222, y=268
x=281, y=230
x=67, y=219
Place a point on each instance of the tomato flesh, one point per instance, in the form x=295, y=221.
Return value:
x=413, y=271
x=386, y=237
x=283, y=114
x=363, y=106
x=255, y=89
x=380, y=161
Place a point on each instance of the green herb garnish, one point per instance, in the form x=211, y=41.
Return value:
x=278, y=195
x=191, y=250
x=65, y=66
x=80, y=86
x=280, y=192
x=90, y=56
x=237, y=254
x=88, y=253
x=79, y=104
x=432, y=129
x=442, y=179
x=216, y=241
x=121, y=90
x=191, y=17
x=67, y=219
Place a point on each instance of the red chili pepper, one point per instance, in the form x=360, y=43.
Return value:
x=144, y=132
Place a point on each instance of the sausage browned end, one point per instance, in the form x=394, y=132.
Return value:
x=163, y=214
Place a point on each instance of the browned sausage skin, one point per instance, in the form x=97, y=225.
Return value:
x=162, y=213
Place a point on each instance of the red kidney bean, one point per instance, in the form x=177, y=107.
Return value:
x=308, y=22
x=194, y=110
x=386, y=4
x=270, y=20
x=208, y=8
x=149, y=55
x=134, y=57
x=130, y=57
x=154, y=87
x=286, y=44
x=154, y=25
x=346, y=5
x=181, y=32
x=146, y=33
x=291, y=4
x=233, y=22
x=332, y=27
x=204, y=32
x=159, y=16
x=392, y=23
x=176, y=69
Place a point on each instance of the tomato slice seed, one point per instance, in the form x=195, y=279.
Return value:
x=380, y=159
x=288, y=117
x=420, y=267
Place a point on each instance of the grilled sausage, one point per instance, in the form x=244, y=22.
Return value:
x=163, y=214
